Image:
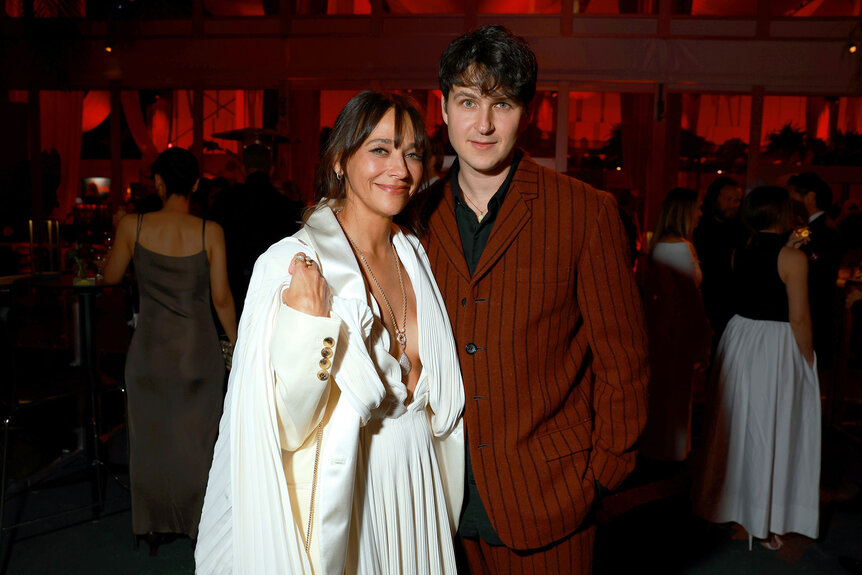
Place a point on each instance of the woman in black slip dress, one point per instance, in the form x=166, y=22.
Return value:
x=174, y=368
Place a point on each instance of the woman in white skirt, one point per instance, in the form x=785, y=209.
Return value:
x=762, y=451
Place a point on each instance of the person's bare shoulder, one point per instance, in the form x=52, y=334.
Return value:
x=214, y=233
x=127, y=221
x=126, y=226
x=213, y=227
x=792, y=262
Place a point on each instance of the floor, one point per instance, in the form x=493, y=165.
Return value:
x=647, y=525
x=660, y=534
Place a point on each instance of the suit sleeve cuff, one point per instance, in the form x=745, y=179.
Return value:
x=303, y=344
x=302, y=348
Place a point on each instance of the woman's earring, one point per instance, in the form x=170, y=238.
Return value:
x=338, y=176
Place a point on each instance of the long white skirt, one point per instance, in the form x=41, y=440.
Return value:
x=400, y=520
x=761, y=465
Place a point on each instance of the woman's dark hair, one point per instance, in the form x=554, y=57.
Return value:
x=353, y=126
x=489, y=58
x=708, y=207
x=765, y=207
x=675, y=217
x=179, y=169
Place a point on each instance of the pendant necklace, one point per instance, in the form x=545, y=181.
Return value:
x=481, y=213
x=400, y=333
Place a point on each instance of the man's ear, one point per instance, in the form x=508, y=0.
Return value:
x=443, y=109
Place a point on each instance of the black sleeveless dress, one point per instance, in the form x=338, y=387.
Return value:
x=174, y=379
x=759, y=292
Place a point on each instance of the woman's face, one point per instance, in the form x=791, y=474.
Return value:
x=728, y=202
x=380, y=178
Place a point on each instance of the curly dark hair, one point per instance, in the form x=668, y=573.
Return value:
x=490, y=58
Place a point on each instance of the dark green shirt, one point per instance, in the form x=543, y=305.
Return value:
x=474, y=522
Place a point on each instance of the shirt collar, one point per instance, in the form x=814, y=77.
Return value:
x=815, y=215
x=498, y=197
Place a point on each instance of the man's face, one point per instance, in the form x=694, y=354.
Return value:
x=728, y=202
x=483, y=129
x=807, y=198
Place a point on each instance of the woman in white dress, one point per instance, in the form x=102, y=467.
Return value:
x=679, y=332
x=341, y=446
x=762, y=450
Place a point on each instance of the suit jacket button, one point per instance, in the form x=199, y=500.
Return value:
x=328, y=342
x=470, y=348
x=325, y=363
x=322, y=375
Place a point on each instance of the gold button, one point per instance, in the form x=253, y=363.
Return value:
x=328, y=341
x=325, y=363
x=322, y=375
x=326, y=352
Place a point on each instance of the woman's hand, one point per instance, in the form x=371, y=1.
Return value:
x=798, y=238
x=308, y=291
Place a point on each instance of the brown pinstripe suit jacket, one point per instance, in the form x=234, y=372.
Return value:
x=556, y=387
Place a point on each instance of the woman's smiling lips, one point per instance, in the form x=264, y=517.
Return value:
x=393, y=189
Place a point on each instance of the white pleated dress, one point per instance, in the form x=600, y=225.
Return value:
x=400, y=524
x=761, y=465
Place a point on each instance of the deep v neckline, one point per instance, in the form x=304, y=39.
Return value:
x=409, y=267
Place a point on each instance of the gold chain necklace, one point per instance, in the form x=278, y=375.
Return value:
x=482, y=212
x=400, y=333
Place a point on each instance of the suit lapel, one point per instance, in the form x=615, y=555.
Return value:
x=444, y=228
x=818, y=224
x=513, y=216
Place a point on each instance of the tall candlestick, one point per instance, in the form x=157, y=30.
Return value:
x=50, y=245
x=32, y=250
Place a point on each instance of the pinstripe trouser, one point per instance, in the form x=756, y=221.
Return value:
x=570, y=556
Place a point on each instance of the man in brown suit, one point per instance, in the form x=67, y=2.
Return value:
x=534, y=269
